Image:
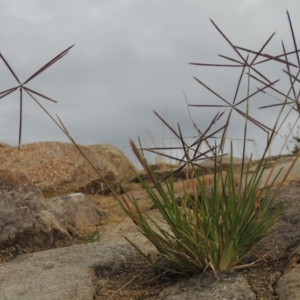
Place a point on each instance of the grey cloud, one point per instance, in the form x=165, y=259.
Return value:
x=130, y=58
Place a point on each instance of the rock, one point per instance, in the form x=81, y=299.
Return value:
x=76, y=212
x=161, y=175
x=126, y=170
x=24, y=219
x=77, y=272
x=230, y=285
x=210, y=163
x=162, y=171
x=2, y=145
x=288, y=286
x=58, y=168
x=163, y=167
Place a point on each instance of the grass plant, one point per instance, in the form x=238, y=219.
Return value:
x=95, y=236
x=214, y=231
x=219, y=228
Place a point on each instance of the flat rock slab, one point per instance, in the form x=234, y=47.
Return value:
x=80, y=272
x=76, y=272
x=230, y=285
x=288, y=286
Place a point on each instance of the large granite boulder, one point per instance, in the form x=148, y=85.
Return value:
x=4, y=145
x=24, y=217
x=58, y=168
x=126, y=170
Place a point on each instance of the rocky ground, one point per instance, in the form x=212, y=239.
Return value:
x=140, y=280
x=76, y=265
x=262, y=277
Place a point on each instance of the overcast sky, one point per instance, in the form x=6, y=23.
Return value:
x=130, y=58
